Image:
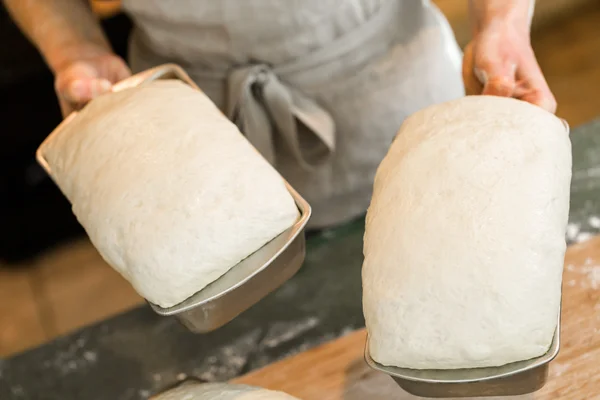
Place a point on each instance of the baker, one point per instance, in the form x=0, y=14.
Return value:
x=319, y=87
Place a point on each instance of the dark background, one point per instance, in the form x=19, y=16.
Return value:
x=33, y=213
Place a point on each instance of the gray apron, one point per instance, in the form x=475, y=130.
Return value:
x=319, y=87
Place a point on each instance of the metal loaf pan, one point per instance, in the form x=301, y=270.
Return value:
x=513, y=379
x=248, y=282
x=251, y=279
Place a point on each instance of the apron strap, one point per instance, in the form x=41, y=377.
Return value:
x=267, y=110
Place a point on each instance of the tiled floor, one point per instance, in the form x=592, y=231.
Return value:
x=71, y=286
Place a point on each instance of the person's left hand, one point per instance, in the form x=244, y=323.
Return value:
x=500, y=61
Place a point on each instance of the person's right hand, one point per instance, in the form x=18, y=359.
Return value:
x=80, y=81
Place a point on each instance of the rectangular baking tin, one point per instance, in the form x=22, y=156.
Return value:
x=247, y=282
x=508, y=380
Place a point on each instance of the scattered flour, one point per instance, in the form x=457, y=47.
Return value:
x=587, y=173
x=588, y=261
x=590, y=270
x=328, y=234
x=347, y=330
x=90, y=356
x=594, y=222
x=583, y=237
x=560, y=369
x=572, y=231
x=181, y=377
x=284, y=332
x=18, y=390
x=575, y=233
x=73, y=358
x=593, y=275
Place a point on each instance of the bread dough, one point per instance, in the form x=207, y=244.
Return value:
x=168, y=190
x=465, y=236
x=221, y=391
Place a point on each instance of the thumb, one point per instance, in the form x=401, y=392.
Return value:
x=472, y=84
x=82, y=90
x=497, y=78
x=539, y=95
x=73, y=95
x=79, y=83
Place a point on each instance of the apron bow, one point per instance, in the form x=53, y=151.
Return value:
x=268, y=112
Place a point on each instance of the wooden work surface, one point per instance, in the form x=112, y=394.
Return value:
x=337, y=371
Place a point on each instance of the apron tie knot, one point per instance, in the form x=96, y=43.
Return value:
x=269, y=112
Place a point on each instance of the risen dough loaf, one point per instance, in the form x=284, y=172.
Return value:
x=168, y=190
x=221, y=391
x=465, y=236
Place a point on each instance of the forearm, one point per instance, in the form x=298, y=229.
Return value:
x=62, y=30
x=488, y=12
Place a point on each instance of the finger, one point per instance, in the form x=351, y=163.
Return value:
x=79, y=93
x=498, y=79
x=65, y=85
x=534, y=95
x=115, y=69
x=84, y=90
x=496, y=73
x=533, y=87
x=540, y=99
x=472, y=85
x=79, y=70
x=499, y=86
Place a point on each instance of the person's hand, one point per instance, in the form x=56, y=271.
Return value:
x=80, y=81
x=500, y=61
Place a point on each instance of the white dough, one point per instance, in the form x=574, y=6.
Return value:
x=221, y=391
x=465, y=236
x=168, y=190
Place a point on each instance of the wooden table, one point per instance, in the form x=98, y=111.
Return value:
x=337, y=371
